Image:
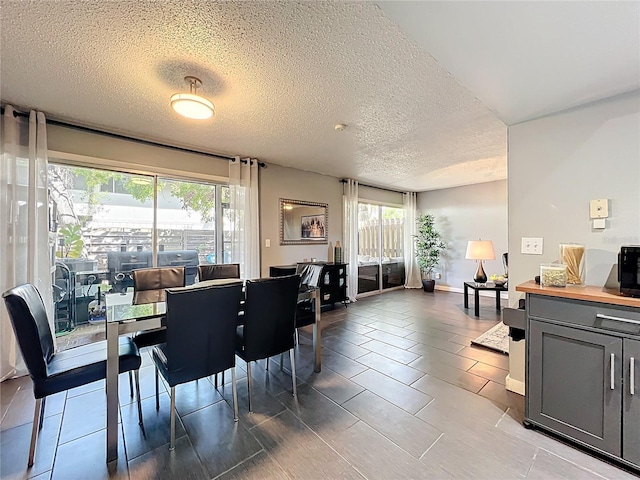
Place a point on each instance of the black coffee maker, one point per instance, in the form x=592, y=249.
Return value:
x=629, y=270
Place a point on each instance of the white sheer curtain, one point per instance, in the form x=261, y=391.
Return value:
x=413, y=278
x=25, y=253
x=245, y=223
x=350, y=236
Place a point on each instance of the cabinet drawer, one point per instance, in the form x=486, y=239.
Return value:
x=589, y=314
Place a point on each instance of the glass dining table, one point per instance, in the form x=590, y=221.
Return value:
x=134, y=312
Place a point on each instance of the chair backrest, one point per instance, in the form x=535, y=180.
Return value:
x=218, y=271
x=158, y=278
x=269, y=316
x=181, y=258
x=201, y=330
x=31, y=326
x=310, y=274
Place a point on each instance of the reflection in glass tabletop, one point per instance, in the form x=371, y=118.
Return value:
x=121, y=307
x=129, y=306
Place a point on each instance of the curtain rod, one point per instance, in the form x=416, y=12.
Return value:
x=82, y=128
x=344, y=180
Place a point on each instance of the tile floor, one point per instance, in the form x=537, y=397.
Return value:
x=402, y=394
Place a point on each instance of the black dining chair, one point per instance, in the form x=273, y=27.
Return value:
x=157, y=278
x=218, y=271
x=201, y=326
x=310, y=277
x=146, y=283
x=52, y=372
x=269, y=322
x=153, y=280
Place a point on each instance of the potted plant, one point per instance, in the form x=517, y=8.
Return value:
x=71, y=242
x=428, y=249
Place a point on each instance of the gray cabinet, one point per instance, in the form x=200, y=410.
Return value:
x=583, y=358
x=571, y=380
x=631, y=408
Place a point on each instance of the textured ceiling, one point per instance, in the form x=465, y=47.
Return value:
x=281, y=75
x=527, y=59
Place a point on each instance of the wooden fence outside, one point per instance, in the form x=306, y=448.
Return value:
x=99, y=241
x=392, y=238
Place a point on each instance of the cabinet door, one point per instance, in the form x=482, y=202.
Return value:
x=574, y=383
x=631, y=409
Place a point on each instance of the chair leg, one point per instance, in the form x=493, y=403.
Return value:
x=282, y=362
x=292, y=355
x=266, y=364
x=235, y=394
x=34, y=432
x=136, y=375
x=172, y=445
x=215, y=383
x=249, y=382
x=297, y=342
x=44, y=400
x=157, y=391
x=130, y=384
x=222, y=384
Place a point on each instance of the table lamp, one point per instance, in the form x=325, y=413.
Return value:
x=480, y=250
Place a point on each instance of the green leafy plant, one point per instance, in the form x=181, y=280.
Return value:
x=73, y=242
x=429, y=246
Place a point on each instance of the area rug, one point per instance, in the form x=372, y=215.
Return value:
x=496, y=338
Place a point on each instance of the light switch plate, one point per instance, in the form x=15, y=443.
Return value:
x=599, y=208
x=531, y=246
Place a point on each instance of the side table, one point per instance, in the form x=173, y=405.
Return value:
x=476, y=291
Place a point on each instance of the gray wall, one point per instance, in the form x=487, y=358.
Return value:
x=467, y=213
x=557, y=164
x=280, y=182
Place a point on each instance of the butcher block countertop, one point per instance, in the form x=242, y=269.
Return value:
x=589, y=292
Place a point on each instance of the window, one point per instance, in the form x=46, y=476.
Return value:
x=108, y=222
x=380, y=247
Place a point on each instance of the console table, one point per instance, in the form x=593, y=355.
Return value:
x=476, y=290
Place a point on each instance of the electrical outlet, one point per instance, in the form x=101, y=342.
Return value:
x=267, y=242
x=438, y=276
x=531, y=246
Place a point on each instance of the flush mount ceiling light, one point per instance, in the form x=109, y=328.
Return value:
x=190, y=104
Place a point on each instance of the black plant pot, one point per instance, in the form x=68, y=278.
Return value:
x=428, y=285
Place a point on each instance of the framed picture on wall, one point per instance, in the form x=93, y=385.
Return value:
x=303, y=223
x=312, y=226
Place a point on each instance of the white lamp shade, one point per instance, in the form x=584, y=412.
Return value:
x=480, y=250
x=192, y=106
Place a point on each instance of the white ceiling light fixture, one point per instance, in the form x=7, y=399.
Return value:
x=190, y=104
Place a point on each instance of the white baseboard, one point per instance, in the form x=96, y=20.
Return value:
x=515, y=386
x=483, y=293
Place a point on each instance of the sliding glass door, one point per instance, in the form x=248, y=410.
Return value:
x=380, y=247
x=103, y=223
x=109, y=223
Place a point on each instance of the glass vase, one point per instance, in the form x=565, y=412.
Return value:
x=572, y=255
